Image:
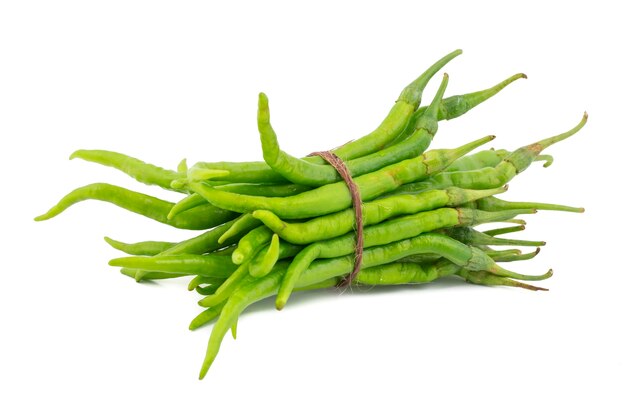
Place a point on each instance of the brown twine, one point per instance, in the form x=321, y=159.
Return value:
x=343, y=171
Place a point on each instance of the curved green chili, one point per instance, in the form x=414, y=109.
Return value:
x=398, y=117
x=493, y=204
x=135, y=168
x=144, y=248
x=502, y=257
x=265, y=260
x=207, y=265
x=152, y=275
x=185, y=204
x=505, y=230
x=302, y=172
x=490, y=279
x=243, y=224
x=206, y=316
x=194, y=200
x=199, y=218
x=247, y=245
x=457, y=105
x=471, y=236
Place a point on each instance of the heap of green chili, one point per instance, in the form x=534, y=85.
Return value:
x=288, y=223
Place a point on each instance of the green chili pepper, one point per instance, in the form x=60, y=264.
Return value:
x=493, y=204
x=468, y=235
x=208, y=265
x=502, y=257
x=505, y=230
x=135, y=168
x=199, y=218
x=265, y=260
x=195, y=200
x=306, y=173
x=144, y=248
x=249, y=243
x=243, y=224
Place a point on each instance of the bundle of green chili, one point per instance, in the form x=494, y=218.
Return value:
x=289, y=223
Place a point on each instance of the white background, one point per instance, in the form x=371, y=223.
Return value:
x=167, y=80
